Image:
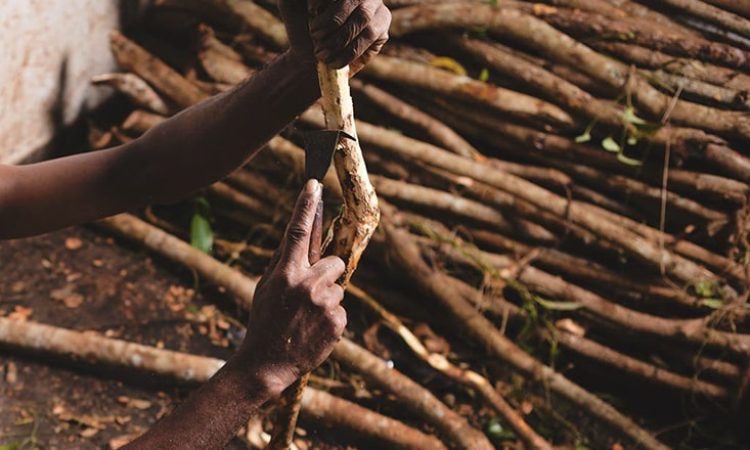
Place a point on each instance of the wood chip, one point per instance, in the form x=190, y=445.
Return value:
x=73, y=243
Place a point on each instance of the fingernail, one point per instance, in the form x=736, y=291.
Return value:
x=312, y=186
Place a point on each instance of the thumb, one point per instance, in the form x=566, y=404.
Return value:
x=296, y=243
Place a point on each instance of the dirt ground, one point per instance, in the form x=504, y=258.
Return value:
x=81, y=279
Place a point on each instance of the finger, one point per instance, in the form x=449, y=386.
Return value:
x=338, y=321
x=328, y=270
x=373, y=33
x=296, y=242
x=335, y=15
x=360, y=63
x=331, y=297
x=344, y=35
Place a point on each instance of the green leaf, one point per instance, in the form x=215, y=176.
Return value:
x=628, y=161
x=492, y=2
x=705, y=289
x=632, y=140
x=201, y=232
x=11, y=446
x=585, y=137
x=496, y=430
x=484, y=75
x=558, y=306
x=629, y=116
x=713, y=303
x=610, y=145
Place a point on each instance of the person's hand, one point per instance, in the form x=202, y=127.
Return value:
x=345, y=32
x=296, y=317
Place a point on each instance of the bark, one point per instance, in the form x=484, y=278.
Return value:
x=585, y=215
x=443, y=201
x=618, y=184
x=741, y=7
x=465, y=377
x=712, y=14
x=698, y=90
x=237, y=15
x=238, y=285
x=541, y=140
x=323, y=407
x=696, y=184
x=432, y=79
x=439, y=133
x=687, y=67
x=648, y=372
x=140, y=121
x=538, y=34
x=584, y=270
x=220, y=61
x=223, y=69
x=93, y=348
x=620, y=9
x=694, y=331
x=258, y=207
x=352, y=228
x=133, y=58
x=412, y=396
x=137, y=90
x=406, y=255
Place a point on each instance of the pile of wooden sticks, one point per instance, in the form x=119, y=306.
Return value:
x=559, y=181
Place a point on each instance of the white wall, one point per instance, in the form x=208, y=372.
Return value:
x=41, y=43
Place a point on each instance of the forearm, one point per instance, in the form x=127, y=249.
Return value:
x=183, y=154
x=213, y=414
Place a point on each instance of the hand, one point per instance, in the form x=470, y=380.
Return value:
x=296, y=317
x=345, y=32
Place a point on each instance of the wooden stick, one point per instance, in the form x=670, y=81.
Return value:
x=466, y=377
x=352, y=229
x=94, y=348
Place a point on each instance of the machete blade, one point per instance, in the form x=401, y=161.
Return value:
x=319, y=149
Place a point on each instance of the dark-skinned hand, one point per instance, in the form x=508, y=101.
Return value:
x=345, y=32
x=296, y=317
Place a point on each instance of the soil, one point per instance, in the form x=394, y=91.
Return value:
x=83, y=280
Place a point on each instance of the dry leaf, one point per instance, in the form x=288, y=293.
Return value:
x=120, y=441
x=136, y=403
x=68, y=296
x=11, y=373
x=18, y=287
x=20, y=313
x=540, y=9
x=88, y=432
x=73, y=243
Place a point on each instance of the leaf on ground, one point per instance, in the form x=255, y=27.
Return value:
x=68, y=296
x=136, y=403
x=73, y=243
x=20, y=313
x=449, y=64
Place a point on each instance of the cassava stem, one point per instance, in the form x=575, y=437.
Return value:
x=352, y=229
